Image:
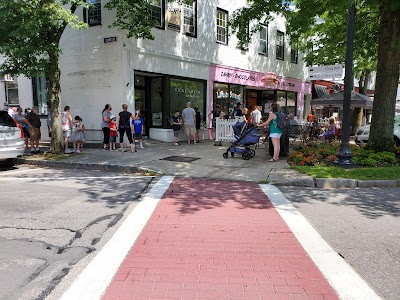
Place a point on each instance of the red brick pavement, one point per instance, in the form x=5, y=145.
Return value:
x=217, y=240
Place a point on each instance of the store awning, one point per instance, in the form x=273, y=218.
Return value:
x=336, y=100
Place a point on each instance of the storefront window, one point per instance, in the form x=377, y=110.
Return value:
x=287, y=102
x=227, y=95
x=182, y=91
x=156, y=102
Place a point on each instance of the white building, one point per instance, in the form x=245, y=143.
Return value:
x=15, y=90
x=192, y=58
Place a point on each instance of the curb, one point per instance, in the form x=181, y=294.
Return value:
x=86, y=166
x=306, y=181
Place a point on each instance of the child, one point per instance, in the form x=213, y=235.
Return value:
x=113, y=133
x=77, y=134
x=176, y=126
x=138, y=129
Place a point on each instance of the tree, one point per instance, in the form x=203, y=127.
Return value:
x=377, y=38
x=31, y=45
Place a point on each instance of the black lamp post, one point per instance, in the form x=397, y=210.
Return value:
x=344, y=157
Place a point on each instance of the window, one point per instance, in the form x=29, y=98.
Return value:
x=227, y=95
x=294, y=53
x=280, y=47
x=263, y=48
x=182, y=91
x=92, y=16
x=157, y=12
x=189, y=18
x=222, y=26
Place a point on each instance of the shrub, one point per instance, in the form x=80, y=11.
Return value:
x=325, y=154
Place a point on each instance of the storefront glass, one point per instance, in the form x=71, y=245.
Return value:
x=156, y=102
x=287, y=102
x=227, y=95
x=182, y=91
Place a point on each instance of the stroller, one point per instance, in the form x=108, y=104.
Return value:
x=246, y=135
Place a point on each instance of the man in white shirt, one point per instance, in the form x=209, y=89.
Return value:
x=189, y=120
x=256, y=115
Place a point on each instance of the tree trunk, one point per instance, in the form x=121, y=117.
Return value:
x=356, y=119
x=54, y=96
x=387, y=76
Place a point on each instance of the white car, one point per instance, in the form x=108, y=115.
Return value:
x=362, y=134
x=12, y=142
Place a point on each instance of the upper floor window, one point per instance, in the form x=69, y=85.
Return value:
x=189, y=18
x=222, y=26
x=263, y=47
x=294, y=53
x=280, y=45
x=92, y=16
x=157, y=12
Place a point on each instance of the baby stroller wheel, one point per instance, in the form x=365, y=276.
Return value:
x=246, y=156
x=225, y=155
x=252, y=152
x=232, y=154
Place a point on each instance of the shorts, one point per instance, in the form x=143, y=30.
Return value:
x=176, y=133
x=113, y=139
x=67, y=133
x=26, y=131
x=190, y=129
x=275, y=135
x=35, y=133
x=137, y=136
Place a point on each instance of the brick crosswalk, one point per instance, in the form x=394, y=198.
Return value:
x=217, y=240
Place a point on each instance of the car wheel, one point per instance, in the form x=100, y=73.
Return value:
x=8, y=163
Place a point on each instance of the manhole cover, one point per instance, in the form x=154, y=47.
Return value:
x=185, y=159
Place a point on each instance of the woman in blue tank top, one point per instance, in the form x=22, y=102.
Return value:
x=275, y=132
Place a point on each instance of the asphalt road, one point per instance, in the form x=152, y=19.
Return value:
x=54, y=221
x=362, y=225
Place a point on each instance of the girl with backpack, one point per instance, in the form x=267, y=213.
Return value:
x=275, y=131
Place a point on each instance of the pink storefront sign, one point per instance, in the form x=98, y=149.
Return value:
x=268, y=81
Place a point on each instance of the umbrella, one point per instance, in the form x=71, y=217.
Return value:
x=336, y=100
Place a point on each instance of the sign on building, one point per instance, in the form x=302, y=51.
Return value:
x=325, y=72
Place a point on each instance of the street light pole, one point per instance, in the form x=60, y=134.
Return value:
x=344, y=157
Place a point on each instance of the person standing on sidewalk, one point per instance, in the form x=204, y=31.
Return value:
x=138, y=129
x=213, y=115
x=33, y=121
x=275, y=132
x=66, y=124
x=198, y=121
x=124, y=126
x=189, y=120
x=113, y=133
x=256, y=115
x=176, y=126
x=105, y=125
x=19, y=118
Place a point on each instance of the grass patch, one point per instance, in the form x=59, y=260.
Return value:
x=263, y=181
x=379, y=173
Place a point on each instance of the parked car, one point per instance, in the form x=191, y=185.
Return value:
x=362, y=134
x=12, y=142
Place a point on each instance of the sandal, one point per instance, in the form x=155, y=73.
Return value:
x=272, y=160
x=124, y=150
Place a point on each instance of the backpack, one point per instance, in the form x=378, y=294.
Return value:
x=283, y=120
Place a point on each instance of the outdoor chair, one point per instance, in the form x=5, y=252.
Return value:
x=298, y=132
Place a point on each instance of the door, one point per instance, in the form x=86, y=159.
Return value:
x=140, y=106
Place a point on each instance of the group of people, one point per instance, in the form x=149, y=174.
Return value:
x=191, y=120
x=30, y=124
x=253, y=116
x=126, y=123
x=73, y=129
x=327, y=131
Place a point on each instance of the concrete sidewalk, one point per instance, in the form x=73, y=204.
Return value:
x=203, y=160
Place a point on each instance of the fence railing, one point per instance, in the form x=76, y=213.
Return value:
x=224, y=130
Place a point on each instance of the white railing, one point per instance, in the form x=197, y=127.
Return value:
x=224, y=130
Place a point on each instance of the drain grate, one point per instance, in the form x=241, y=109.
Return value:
x=185, y=159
